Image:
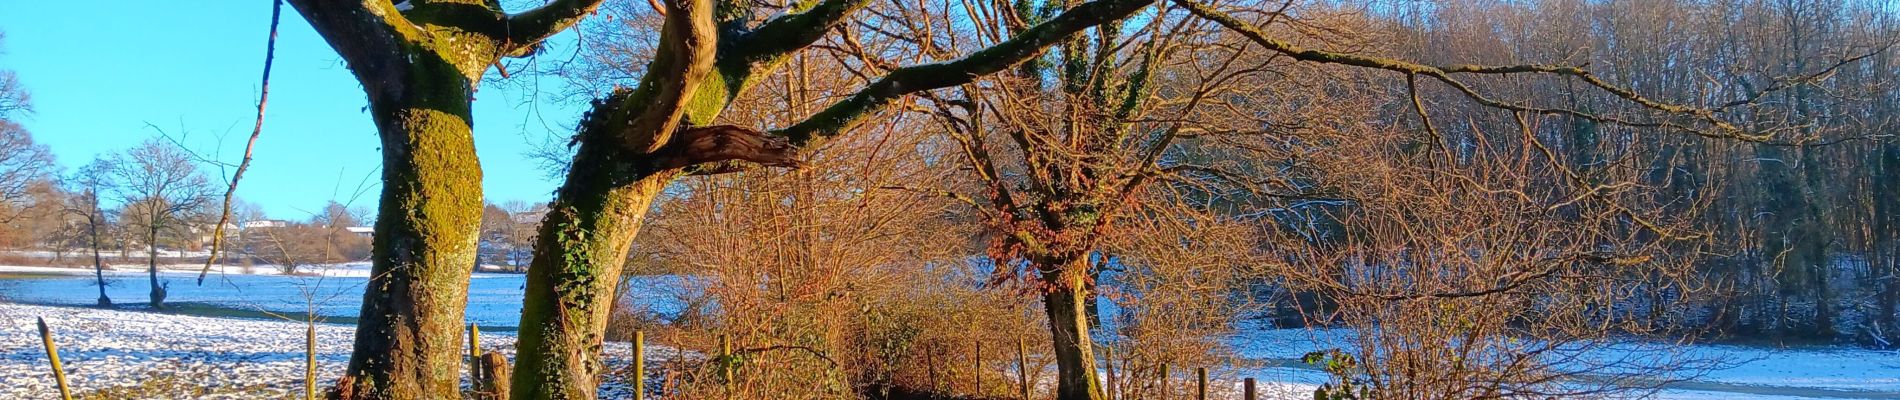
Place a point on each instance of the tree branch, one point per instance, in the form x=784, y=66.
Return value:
x=369, y=34
x=684, y=57
x=1507, y=283
x=1233, y=178
x=1028, y=44
x=788, y=33
x=1722, y=129
x=527, y=29
x=722, y=143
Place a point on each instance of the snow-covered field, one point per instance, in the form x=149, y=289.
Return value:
x=106, y=349
x=493, y=299
x=143, y=353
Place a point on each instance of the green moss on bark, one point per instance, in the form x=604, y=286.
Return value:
x=407, y=343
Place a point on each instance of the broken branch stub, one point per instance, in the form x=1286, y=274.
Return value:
x=707, y=145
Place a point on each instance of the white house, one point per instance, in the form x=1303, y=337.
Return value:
x=265, y=223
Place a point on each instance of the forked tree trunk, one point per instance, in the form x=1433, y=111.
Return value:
x=1065, y=301
x=407, y=339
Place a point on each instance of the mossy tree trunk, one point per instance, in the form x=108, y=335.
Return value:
x=419, y=67
x=407, y=338
x=572, y=278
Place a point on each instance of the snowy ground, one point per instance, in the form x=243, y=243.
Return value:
x=141, y=352
x=117, y=349
x=105, y=349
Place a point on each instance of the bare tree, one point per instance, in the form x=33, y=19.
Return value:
x=524, y=219
x=163, y=194
x=22, y=164
x=88, y=184
x=13, y=97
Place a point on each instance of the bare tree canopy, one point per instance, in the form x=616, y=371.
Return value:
x=23, y=163
x=165, y=199
x=14, y=98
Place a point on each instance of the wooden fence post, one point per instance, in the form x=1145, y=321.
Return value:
x=52, y=353
x=976, y=370
x=1250, y=392
x=474, y=355
x=726, y=363
x=1022, y=366
x=310, y=361
x=494, y=382
x=639, y=365
x=1200, y=385
x=1164, y=382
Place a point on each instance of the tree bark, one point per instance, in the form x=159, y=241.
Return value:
x=1064, y=302
x=419, y=67
x=576, y=266
x=407, y=339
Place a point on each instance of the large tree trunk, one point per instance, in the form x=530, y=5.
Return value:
x=575, y=270
x=419, y=67
x=407, y=337
x=1064, y=302
x=151, y=263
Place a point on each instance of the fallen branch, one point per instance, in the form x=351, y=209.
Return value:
x=263, y=98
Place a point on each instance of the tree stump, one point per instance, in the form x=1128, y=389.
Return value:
x=493, y=384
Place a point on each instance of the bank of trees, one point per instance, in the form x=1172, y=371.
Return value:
x=294, y=246
x=1463, y=181
x=1790, y=228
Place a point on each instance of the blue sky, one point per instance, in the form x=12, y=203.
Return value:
x=191, y=68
